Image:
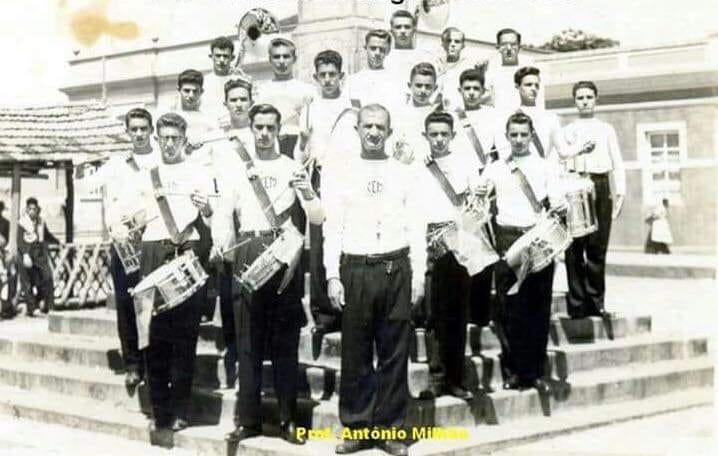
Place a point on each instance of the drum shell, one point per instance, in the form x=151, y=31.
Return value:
x=185, y=276
x=548, y=238
x=581, y=217
x=129, y=255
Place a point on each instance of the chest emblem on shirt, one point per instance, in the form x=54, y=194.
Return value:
x=374, y=187
x=269, y=182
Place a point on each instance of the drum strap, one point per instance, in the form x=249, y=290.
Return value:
x=471, y=134
x=165, y=211
x=524, y=184
x=259, y=191
x=456, y=199
x=132, y=163
x=537, y=144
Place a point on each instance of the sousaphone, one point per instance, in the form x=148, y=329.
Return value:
x=254, y=32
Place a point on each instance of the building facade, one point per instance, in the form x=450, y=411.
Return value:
x=662, y=101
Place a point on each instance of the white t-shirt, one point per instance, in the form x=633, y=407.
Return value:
x=500, y=79
x=290, y=98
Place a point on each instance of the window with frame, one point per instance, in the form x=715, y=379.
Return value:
x=665, y=161
x=663, y=152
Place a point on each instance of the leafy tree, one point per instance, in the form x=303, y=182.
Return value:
x=577, y=40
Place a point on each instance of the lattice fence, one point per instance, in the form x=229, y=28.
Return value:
x=81, y=273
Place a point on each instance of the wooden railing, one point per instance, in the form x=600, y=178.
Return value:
x=81, y=274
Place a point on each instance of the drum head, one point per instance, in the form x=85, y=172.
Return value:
x=151, y=279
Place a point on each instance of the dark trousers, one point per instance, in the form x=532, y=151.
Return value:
x=322, y=311
x=38, y=276
x=449, y=301
x=124, y=305
x=586, y=257
x=481, y=303
x=267, y=326
x=173, y=344
x=226, y=308
x=377, y=312
x=525, y=316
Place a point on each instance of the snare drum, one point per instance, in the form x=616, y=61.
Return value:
x=581, y=217
x=176, y=281
x=283, y=251
x=547, y=239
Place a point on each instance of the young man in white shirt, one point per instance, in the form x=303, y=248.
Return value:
x=189, y=105
x=372, y=84
x=175, y=197
x=269, y=316
x=412, y=113
x=501, y=69
x=446, y=182
x=221, y=52
x=483, y=123
x=586, y=258
x=315, y=144
x=113, y=175
x=375, y=257
x=287, y=94
x=524, y=317
x=405, y=54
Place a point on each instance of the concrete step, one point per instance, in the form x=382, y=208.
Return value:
x=90, y=415
x=675, y=266
x=103, y=323
x=563, y=331
x=584, y=389
x=320, y=380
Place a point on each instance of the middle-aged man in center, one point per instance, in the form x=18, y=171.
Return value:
x=374, y=254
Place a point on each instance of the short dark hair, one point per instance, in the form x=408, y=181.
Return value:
x=424, y=69
x=506, y=31
x=283, y=42
x=138, y=113
x=447, y=33
x=237, y=82
x=402, y=13
x=31, y=200
x=378, y=33
x=584, y=85
x=172, y=120
x=472, y=74
x=190, y=77
x=439, y=117
x=221, y=42
x=264, y=108
x=374, y=107
x=520, y=118
x=525, y=71
x=327, y=57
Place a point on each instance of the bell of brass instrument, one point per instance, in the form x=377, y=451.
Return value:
x=252, y=31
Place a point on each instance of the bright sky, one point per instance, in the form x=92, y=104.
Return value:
x=36, y=34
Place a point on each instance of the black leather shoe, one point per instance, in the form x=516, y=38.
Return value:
x=541, y=386
x=178, y=424
x=132, y=378
x=393, y=447
x=288, y=432
x=161, y=436
x=460, y=393
x=243, y=432
x=352, y=446
x=433, y=391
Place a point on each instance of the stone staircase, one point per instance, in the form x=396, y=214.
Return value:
x=67, y=370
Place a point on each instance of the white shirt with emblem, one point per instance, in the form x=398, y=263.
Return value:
x=371, y=208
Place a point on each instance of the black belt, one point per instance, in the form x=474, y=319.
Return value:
x=377, y=257
x=438, y=225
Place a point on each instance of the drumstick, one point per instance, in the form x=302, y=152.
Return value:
x=210, y=195
x=235, y=246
